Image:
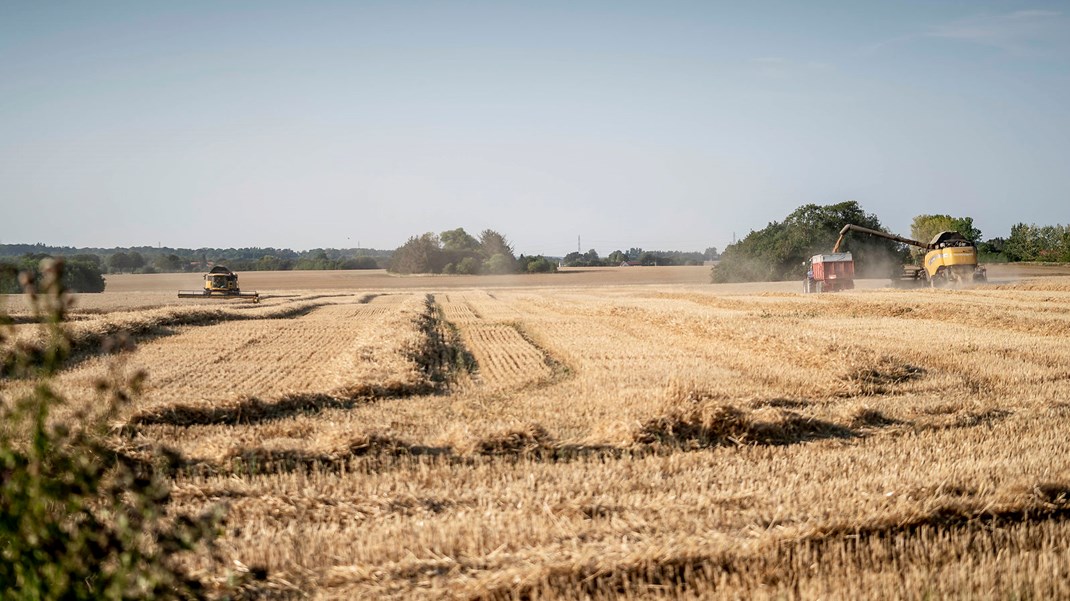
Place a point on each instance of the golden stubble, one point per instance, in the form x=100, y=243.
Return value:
x=671, y=441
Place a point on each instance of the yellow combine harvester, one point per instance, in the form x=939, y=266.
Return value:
x=951, y=257
x=220, y=282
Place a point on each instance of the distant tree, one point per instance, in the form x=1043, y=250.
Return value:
x=82, y=276
x=90, y=258
x=1038, y=243
x=78, y=275
x=458, y=240
x=168, y=263
x=358, y=263
x=9, y=277
x=421, y=254
x=467, y=266
x=536, y=264
x=315, y=259
x=499, y=264
x=268, y=263
x=120, y=262
x=711, y=254
x=137, y=261
x=491, y=244
x=616, y=257
x=649, y=258
x=925, y=227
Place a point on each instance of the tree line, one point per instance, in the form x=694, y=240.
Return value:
x=1030, y=242
x=458, y=252
x=81, y=273
x=638, y=256
x=149, y=259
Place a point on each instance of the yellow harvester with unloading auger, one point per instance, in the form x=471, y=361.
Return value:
x=951, y=257
x=220, y=282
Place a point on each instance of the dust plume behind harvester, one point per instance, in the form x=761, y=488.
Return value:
x=220, y=282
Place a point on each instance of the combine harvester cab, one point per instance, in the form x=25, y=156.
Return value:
x=830, y=273
x=220, y=282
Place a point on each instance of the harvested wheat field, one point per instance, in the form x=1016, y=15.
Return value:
x=577, y=437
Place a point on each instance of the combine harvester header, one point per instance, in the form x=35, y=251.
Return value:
x=220, y=282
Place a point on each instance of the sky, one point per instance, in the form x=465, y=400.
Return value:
x=607, y=125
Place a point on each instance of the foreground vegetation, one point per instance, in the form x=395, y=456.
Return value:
x=656, y=441
x=82, y=517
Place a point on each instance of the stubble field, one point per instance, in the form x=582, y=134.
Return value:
x=609, y=433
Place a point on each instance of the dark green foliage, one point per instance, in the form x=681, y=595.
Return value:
x=467, y=266
x=421, y=254
x=81, y=273
x=992, y=251
x=358, y=263
x=924, y=227
x=316, y=259
x=80, y=276
x=587, y=259
x=1037, y=243
x=455, y=252
x=120, y=262
x=168, y=263
x=499, y=264
x=491, y=245
x=634, y=255
x=458, y=240
x=780, y=250
x=80, y=519
x=171, y=260
x=536, y=264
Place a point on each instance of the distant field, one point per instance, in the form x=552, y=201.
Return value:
x=609, y=433
x=378, y=278
x=569, y=276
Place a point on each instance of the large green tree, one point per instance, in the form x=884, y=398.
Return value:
x=458, y=240
x=780, y=250
x=421, y=254
x=925, y=227
x=1029, y=242
x=120, y=262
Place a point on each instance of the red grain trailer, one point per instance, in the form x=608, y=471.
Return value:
x=831, y=273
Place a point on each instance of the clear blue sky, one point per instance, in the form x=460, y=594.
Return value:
x=667, y=125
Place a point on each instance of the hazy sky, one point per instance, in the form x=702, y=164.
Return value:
x=668, y=125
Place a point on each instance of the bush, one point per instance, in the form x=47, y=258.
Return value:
x=498, y=264
x=78, y=518
x=538, y=264
x=467, y=266
x=79, y=275
x=358, y=263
